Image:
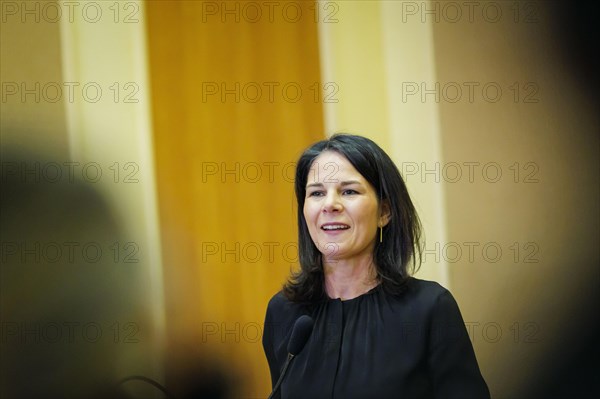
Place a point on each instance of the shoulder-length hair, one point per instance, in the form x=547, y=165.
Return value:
x=401, y=236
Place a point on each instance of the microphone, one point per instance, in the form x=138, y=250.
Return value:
x=300, y=333
x=302, y=329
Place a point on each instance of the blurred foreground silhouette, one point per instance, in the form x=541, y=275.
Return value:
x=72, y=319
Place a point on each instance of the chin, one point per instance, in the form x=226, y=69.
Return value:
x=333, y=255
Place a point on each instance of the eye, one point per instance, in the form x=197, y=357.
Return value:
x=315, y=194
x=350, y=191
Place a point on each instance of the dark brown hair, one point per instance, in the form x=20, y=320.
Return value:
x=401, y=236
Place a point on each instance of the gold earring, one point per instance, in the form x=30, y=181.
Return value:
x=380, y=234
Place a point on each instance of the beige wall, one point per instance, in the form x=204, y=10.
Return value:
x=547, y=131
x=30, y=54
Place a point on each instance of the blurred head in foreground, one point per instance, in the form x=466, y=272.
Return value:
x=68, y=302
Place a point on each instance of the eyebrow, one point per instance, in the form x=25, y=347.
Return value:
x=344, y=183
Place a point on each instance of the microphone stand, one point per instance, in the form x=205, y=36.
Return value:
x=285, y=367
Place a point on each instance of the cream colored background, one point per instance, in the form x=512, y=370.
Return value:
x=368, y=53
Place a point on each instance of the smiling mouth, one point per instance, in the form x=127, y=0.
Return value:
x=334, y=227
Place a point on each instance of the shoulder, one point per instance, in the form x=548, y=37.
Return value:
x=280, y=308
x=279, y=319
x=279, y=303
x=425, y=290
x=425, y=295
x=436, y=301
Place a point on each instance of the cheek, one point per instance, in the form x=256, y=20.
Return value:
x=311, y=212
x=306, y=214
x=366, y=216
x=309, y=217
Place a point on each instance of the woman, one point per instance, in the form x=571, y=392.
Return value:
x=378, y=332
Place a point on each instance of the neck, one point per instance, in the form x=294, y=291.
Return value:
x=349, y=278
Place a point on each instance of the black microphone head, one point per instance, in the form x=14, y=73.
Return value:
x=302, y=329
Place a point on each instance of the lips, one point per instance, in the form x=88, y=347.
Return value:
x=334, y=226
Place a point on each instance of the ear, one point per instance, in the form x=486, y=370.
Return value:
x=385, y=214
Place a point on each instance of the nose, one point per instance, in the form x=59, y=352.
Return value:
x=332, y=203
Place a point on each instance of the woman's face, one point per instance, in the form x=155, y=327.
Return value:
x=340, y=208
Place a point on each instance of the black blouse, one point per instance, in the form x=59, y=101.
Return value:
x=376, y=346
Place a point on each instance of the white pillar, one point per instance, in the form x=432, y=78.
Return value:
x=109, y=123
x=371, y=54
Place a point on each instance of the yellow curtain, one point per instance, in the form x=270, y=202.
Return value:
x=236, y=97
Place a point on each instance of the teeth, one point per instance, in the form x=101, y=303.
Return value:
x=335, y=227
